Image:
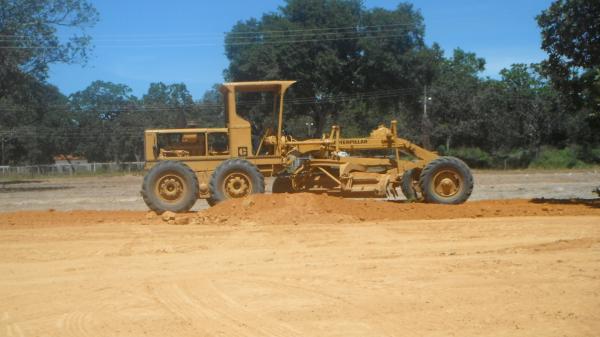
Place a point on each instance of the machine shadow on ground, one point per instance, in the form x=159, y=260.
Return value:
x=593, y=203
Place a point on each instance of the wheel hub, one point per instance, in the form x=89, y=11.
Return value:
x=170, y=188
x=447, y=183
x=237, y=185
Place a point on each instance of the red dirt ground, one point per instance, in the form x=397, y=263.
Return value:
x=310, y=208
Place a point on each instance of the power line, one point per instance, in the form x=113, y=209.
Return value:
x=136, y=130
x=294, y=101
x=187, y=45
x=265, y=39
x=259, y=32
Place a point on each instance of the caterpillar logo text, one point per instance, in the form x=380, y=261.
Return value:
x=353, y=141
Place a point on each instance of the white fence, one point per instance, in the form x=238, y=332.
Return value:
x=69, y=169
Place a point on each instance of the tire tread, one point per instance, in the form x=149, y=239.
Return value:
x=168, y=165
x=429, y=170
x=223, y=168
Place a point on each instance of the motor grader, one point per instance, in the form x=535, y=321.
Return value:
x=217, y=164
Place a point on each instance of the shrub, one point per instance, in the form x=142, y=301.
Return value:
x=511, y=159
x=473, y=156
x=552, y=158
x=591, y=156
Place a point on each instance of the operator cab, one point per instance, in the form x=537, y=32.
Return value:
x=239, y=106
x=239, y=139
x=172, y=143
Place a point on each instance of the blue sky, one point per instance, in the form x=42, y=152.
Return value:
x=502, y=31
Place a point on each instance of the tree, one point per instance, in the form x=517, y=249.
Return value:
x=533, y=105
x=571, y=36
x=453, y=113
x=333, y=49
x=34, y=120
x=169, y=105
x=210, y=110
x=30, y=41
x=100, y=110
x=37, y=132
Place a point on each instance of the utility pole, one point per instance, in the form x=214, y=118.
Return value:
x=3, y=139
x=425, y=123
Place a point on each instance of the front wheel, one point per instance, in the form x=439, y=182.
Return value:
x=235, y=178
x=446, y=180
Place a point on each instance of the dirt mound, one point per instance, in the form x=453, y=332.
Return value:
x=313, y=208
x=305, y=208
x=289, y=208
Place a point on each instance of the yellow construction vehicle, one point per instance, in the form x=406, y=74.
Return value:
x=221, y=163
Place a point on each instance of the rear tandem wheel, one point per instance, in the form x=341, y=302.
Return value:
x=170, y=186
x=235, y=178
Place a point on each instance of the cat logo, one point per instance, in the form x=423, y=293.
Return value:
x=353, y=141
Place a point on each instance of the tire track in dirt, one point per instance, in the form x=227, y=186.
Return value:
x=169, y=297
x=563, y=244
x=210, y=315
x=141, y=233
x=551, y=246
x=378, y=323
x=12, y=329
x=76, y=324
x=237, y=313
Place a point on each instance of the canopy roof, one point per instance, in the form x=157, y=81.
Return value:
x=258, y=86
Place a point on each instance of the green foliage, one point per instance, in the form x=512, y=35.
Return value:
x=30, y=42
x=473, y=156
x=453, y=112
x=371, y=69
x=173, y=97
x=33, y=117
x=516, y=158
x=571, y=36
x=570, y=32
x=552, y=158
x=594, y=156
x=298, y=43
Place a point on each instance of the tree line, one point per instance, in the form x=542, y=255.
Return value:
x=356, y=67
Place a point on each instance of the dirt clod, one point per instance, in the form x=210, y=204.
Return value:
x=182, y=221
x=168, y=215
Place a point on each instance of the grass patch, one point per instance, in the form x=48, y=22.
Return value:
x=552, y=158
x=473, y=156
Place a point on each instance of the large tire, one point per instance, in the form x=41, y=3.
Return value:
x=409, y=179
x=170, y=186
x=446, y=180
x=282, y=184
x=235, y=178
